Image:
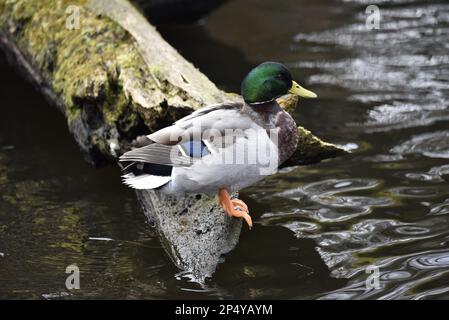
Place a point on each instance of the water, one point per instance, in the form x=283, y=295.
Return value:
x=383, y=92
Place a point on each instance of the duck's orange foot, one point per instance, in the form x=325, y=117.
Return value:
x=234, y=207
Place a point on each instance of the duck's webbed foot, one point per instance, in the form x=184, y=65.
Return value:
x=234, y=207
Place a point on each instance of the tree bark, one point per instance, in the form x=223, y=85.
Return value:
x=115, y=78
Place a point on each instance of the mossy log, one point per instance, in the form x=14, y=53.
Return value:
x=115, y=78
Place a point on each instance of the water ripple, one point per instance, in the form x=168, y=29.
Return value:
x=430, y=261
x=440, y=208
x=432, y=145
x=405, y=277
x=334, y=186
x=323, y=202
x=435, y=174
x=417, y=192
x=399, y=74
x=406, y=82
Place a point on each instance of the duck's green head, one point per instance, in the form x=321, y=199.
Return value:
x=269, y=81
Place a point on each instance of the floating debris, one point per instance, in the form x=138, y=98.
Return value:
x=100, y=239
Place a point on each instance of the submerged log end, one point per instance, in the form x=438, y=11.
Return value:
x=310, y=149
x=194, y=231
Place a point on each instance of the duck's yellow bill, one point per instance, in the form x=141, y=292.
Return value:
x=300, y=91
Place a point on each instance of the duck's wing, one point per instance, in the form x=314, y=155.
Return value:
x=215, y=117
x=150, y=167
x=182, y=142
x=180, y=145
x=221, y=107
x=159, y=154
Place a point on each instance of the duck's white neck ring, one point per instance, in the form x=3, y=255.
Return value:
x=262, y=102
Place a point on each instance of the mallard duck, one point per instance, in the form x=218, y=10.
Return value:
x=222, y=148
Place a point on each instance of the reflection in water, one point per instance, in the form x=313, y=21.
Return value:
x=385, y=92
x=430, y=271
x=399, y=72
x=398, y=69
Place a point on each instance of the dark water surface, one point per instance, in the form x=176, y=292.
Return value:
x=384, y=93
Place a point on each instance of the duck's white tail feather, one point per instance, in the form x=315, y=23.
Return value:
x=145, y=181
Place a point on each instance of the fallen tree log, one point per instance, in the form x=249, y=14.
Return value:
x=115, y=78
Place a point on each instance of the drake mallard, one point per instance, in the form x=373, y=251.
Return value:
x=222, y=148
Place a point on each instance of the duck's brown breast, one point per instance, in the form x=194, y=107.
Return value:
x=287, y=135
x=271, y=116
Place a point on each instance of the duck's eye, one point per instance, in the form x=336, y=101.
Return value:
x=279, y=77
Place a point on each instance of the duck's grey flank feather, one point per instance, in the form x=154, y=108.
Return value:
x=158, y=154
x=209, y=109
x=247, y=125
x=213, y=117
